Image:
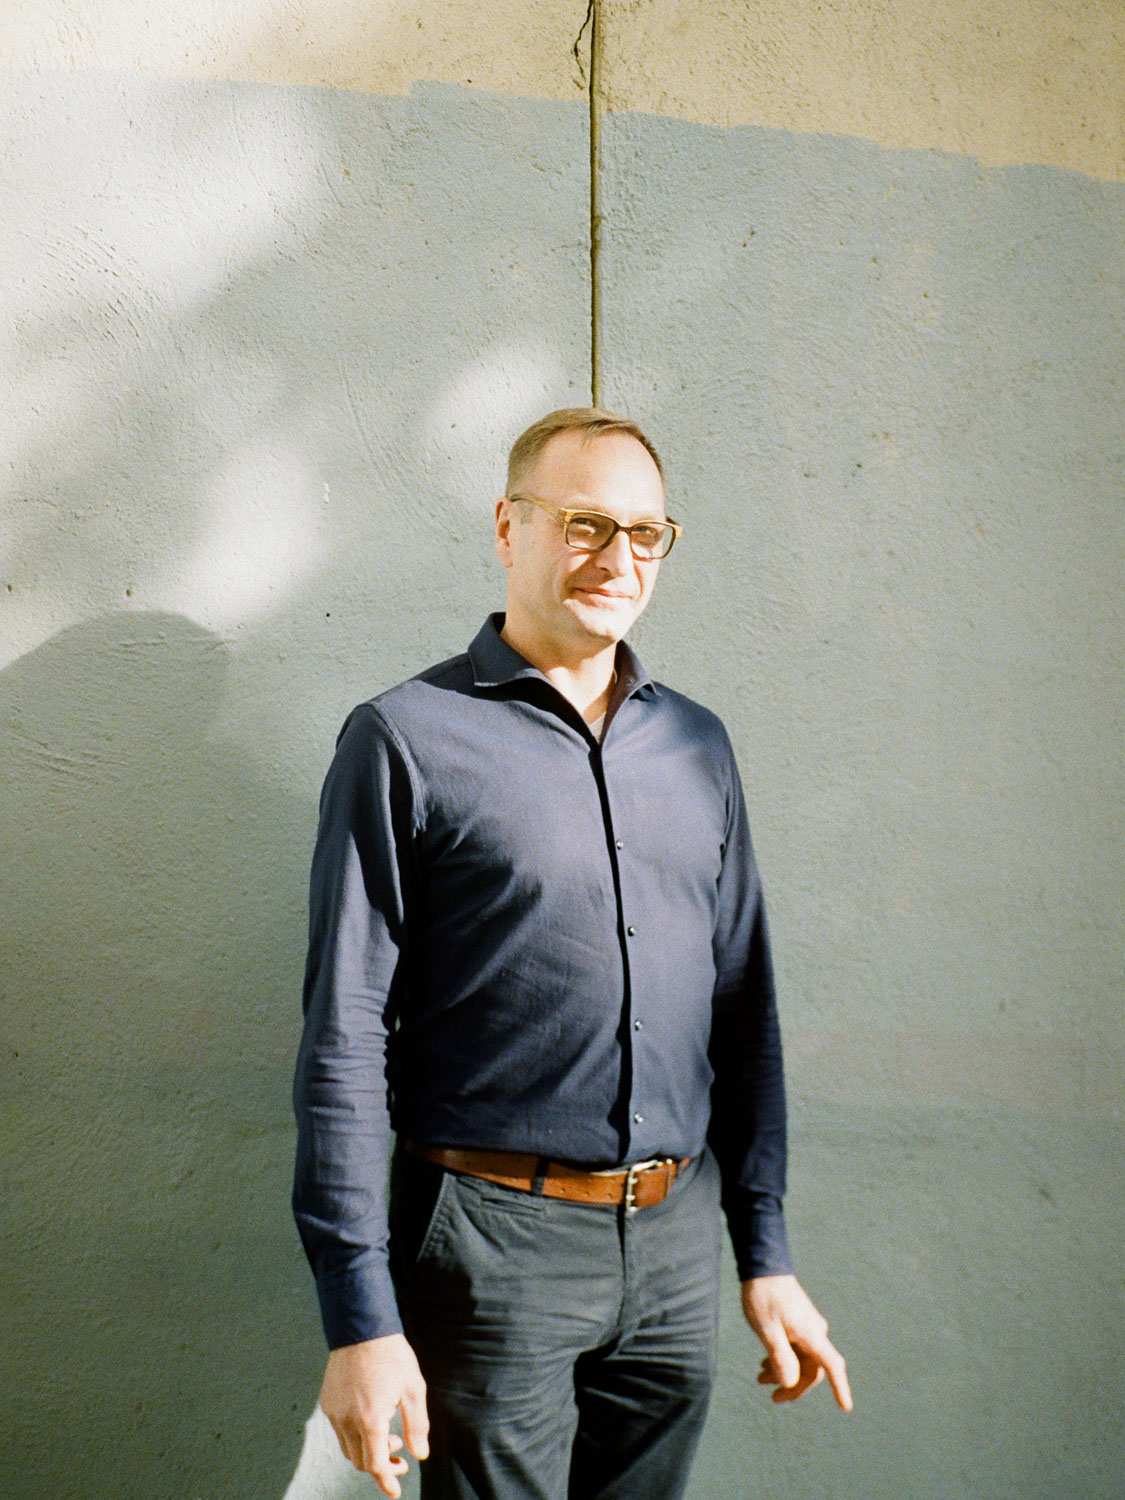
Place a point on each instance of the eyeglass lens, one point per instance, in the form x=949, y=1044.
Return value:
x=589, y=533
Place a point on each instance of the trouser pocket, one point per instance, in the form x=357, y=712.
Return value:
x=417, y=1195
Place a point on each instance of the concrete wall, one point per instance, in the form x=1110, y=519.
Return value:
x=282, y=281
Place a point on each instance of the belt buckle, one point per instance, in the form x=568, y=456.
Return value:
x=631, y=1179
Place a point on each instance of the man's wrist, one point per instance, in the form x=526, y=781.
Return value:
x=354, y=1311
x=756, y=1225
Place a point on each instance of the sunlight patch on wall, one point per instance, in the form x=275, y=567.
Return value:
x=127, y=383
x=482, y=410
x=265, y=535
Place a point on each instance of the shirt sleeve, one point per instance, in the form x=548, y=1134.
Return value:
x=747, y=1132
x=358, y=895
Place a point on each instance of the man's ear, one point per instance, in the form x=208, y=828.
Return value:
x=504, y=522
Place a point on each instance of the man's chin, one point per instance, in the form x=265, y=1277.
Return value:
x=605, y=624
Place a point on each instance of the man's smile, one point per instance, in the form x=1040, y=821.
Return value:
x=592, y=591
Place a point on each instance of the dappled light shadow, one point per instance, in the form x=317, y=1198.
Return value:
x=152, y=915
x=266, y=358
x=266, y=348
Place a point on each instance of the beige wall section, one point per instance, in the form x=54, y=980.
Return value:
x=1004, y=80
x=377, y=46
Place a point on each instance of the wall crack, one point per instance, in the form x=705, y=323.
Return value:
x=590, y=78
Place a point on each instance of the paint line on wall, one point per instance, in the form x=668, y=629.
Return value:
x=1008, y=81
x=521, y=47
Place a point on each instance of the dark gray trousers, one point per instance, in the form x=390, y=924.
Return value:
x=568, y=1349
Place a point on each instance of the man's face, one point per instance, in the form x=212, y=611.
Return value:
x=579, y=602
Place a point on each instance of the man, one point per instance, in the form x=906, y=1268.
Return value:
x=538, y=952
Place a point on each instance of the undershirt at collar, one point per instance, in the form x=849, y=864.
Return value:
x=597, y=725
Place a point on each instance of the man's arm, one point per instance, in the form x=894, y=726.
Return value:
x=748, y=1128
x=359, y=889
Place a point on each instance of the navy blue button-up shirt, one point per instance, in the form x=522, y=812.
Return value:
x=522, y=939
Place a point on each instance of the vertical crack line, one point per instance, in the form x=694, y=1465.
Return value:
x=595, y=213
x=592, y=80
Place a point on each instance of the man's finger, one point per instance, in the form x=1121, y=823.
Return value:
x=811, y=1374
x=416, y=1422
x=350, y=1445
x=377, y=1460
x=786, y=1365
x=398, y=1462
x=837, y=1372
x=831, y=1361
x=384, y=1477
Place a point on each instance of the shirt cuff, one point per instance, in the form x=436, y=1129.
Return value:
x=356, y=1306
x=757, y=1232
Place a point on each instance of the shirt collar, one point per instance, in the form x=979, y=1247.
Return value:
x=494, y=661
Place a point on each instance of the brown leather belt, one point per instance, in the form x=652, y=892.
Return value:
x=641, y=1185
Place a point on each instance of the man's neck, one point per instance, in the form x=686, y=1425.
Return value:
x=584, y=680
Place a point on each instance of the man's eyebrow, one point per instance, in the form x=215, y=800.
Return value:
x=594, y=510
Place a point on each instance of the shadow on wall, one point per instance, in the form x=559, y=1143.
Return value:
x=269, y=350
x=153, y=899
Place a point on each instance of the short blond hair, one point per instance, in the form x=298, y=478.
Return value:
x=590, y=420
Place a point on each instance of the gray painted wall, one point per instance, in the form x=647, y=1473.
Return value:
x=268, y=346
x=899, y=449
x=890, y=386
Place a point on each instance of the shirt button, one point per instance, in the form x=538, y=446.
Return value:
x=632, y=931
x=638, y=1119
x=620, y=843
x=637, y=1025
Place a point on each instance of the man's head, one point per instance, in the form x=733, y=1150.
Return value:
x=563, y=600
x=589, y=421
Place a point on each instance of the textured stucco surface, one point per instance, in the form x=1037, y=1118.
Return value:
x=269, y=346
x=1003, y=80
x=902, y=472
x=273, y=308
x=898, y=455
x=378, y=47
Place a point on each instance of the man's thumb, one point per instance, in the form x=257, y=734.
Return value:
x=415, y=1424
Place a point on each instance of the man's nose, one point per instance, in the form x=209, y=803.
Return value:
x=617, y=556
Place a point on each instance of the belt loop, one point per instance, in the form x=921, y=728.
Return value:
x=540, y=1178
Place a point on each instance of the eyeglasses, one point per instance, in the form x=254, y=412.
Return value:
x=590, y=531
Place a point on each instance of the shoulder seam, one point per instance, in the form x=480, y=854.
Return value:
x=442, y=669
x=395, y=734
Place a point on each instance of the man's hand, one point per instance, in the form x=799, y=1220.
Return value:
x=799, y=1353
x=363, y=1385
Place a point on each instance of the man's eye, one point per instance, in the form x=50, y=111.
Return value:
x=649, y=540
x=588, y=528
